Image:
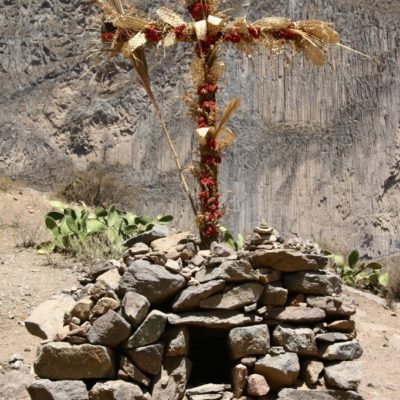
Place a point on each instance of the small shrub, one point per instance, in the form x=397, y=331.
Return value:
x=27, y=235
x=228, y=238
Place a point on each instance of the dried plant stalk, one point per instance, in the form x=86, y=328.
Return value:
x=198, y=72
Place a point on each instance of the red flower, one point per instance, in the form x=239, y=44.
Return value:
x=107, y=36
x=211, y=160
x=233, y=37
x=199, y=11
x=152, y=34
x=207, y=88
x=207, y=181
x=179, y=32
x=201, y=122
x=254, y=31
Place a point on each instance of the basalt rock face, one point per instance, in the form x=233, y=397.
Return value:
x=220, y=340
x=317, y=149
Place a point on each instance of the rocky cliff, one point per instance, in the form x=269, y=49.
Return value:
x=317, y=151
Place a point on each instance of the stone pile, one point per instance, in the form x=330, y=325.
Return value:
x=128, y=330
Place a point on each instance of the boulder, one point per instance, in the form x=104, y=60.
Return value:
x=274, y=295
x=268, y=275
x=116, y=390
x=152, y=281
x=300, y=340
x=313, y=282
x=312, y=372
x=177, y=341
x=135, y=308
x=82, y=309
x=48, y=318
x=234, y=298
x=61, y=361
x=339, y=306
x=257, y=385
x=148, y=358
x=110, y=278
x=279, y=370
x=149, y=331
x=109, y=330
x=285, y=260
x=296, y=315
x=190, y=297
x=296, y=394
x=345, y=375
x=133, y=372
x=172, y=380
x=222, y=319
x=158, y=232
x=342, y=351
x=99, y=268
x=248, y=340
x=103, y=305
x=44, y=389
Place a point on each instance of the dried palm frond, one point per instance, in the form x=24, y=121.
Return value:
x=198, y=71
x=225, y=138
x=216, y=71
x=230, y=108
x=169, y=17
x=273, y=23
x=319, y=29
x=131, y=22
x=169, y=39
x=137, y=41
x=315, y=52
x=201, y=29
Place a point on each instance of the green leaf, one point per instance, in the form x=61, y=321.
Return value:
x=384, y=279
x=149, y=227
x=240, y=241
x=51, y=225
x=46, y=248
x=223, y=229
x=166, y=219
x=114, y=219
x=100, y=212
x=55, y=215
x=130, y=230
x=339, y=261
x=94, y=226
x=375, y=266
x=326, y=253
x=143, y=220
x=57, y=204
x=353, y=258
x=72, y=226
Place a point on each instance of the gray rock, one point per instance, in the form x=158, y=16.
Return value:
x=239, y=379
x=274, y=295
x=138, y=249
x=103, y=305
x=296, y=394
x=190, y=297
x=285, y=260
x=230, y=271
x=342, y=351
x=116, y=390
x=312, y=372
x=208, y=396
x=257, y=385
x=280, y=370
x=152, y=281
x=48, y=318
x=171, y=382
x=269, y=275
x=149, y=331
x=44, y=389
x=100, y=268
x=295, y=315
x=148, y=358
x=158, y=232
x=345, y=375
x=166, y=243
x=135, y=308
x=339, y=306
x=206, y=389
x=248, y=341
x=133, y=372
x=61, y=361
x=110, y=279
x=82, y=309
x=177, y=341
x=222, y=319
x=332, y=337
x=235, y=298
x=347, y=326
x=300, y=340
x=109, y=330
x=315, y=282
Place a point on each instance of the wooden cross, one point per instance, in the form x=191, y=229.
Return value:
x=126, y=32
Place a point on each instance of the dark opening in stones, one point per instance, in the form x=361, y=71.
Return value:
x=209, y=354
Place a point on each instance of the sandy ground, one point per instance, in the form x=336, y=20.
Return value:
x=27, y=279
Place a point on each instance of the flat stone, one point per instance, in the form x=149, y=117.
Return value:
x=62, y=361
x=171, y=382
x=44, y=389
x=116, y=390
x=235, y=298
x=239, y=379
x=109, y=330
x=110, y=278
x=190, y=297
x=342, y=351
x=82, y=309
x=300, y=340
x=332, y=337
x=296, y=315
x=139, y=249
x=48, y=318
x=134, y=372
x=148, y=358
x=220, y=319
x=315, y=282
x=99, y=268
x=208, y=396
x=347, y=326
x=339, y=306
x=103, y=305
x=149, y=331
x=248, y=341
x=177, y=340
x=285, y=260
x=280, y=370
x=345, y=375
x=274, y=295
x=230, y=271
x=152, y=281
x=135, y=308
x=257, y=385
x=165, y=244
x=206, y=389
x=158, y=232
x=312, y=372
x=300, y=394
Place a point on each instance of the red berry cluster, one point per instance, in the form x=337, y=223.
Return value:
x=202, y=122
x=152, y=34
x=233, y=36
x=107, y=36
x=254, y=31
x=209, y=105
x=207, y=88
x=179, y=32
x=211, y=160
x=285, y=34
x=199, y=11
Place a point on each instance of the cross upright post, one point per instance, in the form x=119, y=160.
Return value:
x=125, y=31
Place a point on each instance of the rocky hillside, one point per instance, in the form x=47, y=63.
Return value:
x=317, y=152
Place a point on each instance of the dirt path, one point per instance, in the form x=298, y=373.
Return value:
x=27, y=279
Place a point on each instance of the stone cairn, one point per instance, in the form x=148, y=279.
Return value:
x=127, y=331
